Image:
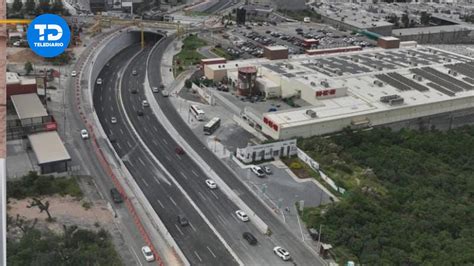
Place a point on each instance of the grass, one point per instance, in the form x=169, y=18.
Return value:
x=189, y=55
x=34, y=185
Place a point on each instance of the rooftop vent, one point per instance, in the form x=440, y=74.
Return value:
x=311, y=113
x=388, y=98
x=325, y=83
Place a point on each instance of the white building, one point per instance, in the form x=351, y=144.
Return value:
x=269, y=151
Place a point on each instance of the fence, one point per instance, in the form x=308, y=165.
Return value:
x=315, y=166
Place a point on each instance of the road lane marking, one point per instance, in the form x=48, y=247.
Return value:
x=214, y=194
x=156, y=179
x=202, y=196
x=243, y=244
x=161, y=204
x=111, y=108
x=144, y=181
x=177, y=155
x=172, y=200
x=166, y=142
x=194, y=172
x=121, y=131
x=183, y=175
x=214, y=255
x=145, y=129
x=118, y=145
x=181, y=232
x=156, y=129
x=197, y=255
x=129, y=145
x=168, y=158
x=192, y=226
x=221, y=219
x=136, y=256
x=141, y=161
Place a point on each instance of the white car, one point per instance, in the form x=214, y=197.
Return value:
x=146, y=250
x=154, y=89
x=84, y=134
x=282, y=253
x=257, y=170
x=242, y=215
x=145, y=103
x=99, y=81
x=267, y=170
x=73, y=73
x=165, y=93
x=134, y=72
x=211, y=184
x=113, y=120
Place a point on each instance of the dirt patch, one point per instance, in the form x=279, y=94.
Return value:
x=22, y=55
x=65, y=210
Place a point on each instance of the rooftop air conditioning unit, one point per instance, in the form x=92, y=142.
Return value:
x=313, y=84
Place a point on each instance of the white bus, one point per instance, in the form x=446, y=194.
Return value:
x=197, y=112
x=212, y=126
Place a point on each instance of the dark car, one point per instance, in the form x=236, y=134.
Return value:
x=250, y=238
x=116, y=196
x=139, y=112
x=179, y=150
x=182, y=220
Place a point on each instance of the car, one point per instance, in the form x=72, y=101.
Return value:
x=154, y=89
x=73, y=73
x=17, y=44
x=99, y=81
x=281, y=252
x=267, y=170
x=179, y=150
x=133, y=91
x=145, y=103
x=242, y=215
x=165, y=93
x=162, y=86
x=116, y=196
x=211, y=184
x=134, y=72
x=84, y=134
x=113, y=120
x=257, y=170
x=139, y=112
x=146, y=250
x=182, y=220
x=250, y=238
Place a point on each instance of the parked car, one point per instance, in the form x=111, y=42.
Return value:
x=242, y=215
x=257, y=170
x=84, y=134
x=250, y=238
x=267, y=170
x=116, y=196
x=145, y=103
x=99, y=81
x=134, y=72
x=113, y=120
x=154, y=89
x=146, y=250
x=282, y=253
x=139, y=112
x=164, y=93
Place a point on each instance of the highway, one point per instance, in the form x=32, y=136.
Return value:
x=219, y=6
x=197, y=241
x=301, y=253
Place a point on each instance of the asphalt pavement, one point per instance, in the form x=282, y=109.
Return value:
x=197, y=241
x=301, y=253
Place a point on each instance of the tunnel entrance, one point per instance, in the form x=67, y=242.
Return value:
x=150, y=37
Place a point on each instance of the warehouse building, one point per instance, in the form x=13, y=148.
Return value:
x=361, y=89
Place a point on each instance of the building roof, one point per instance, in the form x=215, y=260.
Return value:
x=48, y=147
x=359, y=19
x=28, y=106
x=389, y=38
x=433, y=29
x=277, y=48
x=206, y=60
x=14, y=78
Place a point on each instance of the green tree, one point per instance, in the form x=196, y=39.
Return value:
x=30, y=6
x=17, y=5
x=28, y=67
x=405, y=20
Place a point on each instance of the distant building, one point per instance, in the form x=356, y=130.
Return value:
x=241, y=16
x=275, y=52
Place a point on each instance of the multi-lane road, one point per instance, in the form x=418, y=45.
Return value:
x=174, y=184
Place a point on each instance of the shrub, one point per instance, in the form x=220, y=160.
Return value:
x=296, y=165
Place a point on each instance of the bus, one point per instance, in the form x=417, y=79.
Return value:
x=212, y=126
x=197, y=112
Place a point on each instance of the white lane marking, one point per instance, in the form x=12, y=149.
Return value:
x=183, y=175
x=168, y=158
x=166, y=142
x=111, y=108
x=130, y=162
x=100, y=98
x=221, y=219
x=118, y=145
x=194, y=172
x=161, y=204
x=102, y=108
x=121, y=131
x=156, y=129
x=136, y=256
x=110, y=98
x=172, y=200
x=179, y=229
x=144, y=181
x=243, y=244
x=156, y=179
x=154, y=141
x=197, y=255
x=141, y=161
x=177, y=155
x=145, y=129
x=192, y=226
x=129, y=144
x=214, y=255
x=214, y=194
x=202, y=196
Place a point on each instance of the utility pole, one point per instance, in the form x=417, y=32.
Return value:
x=319, y=238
